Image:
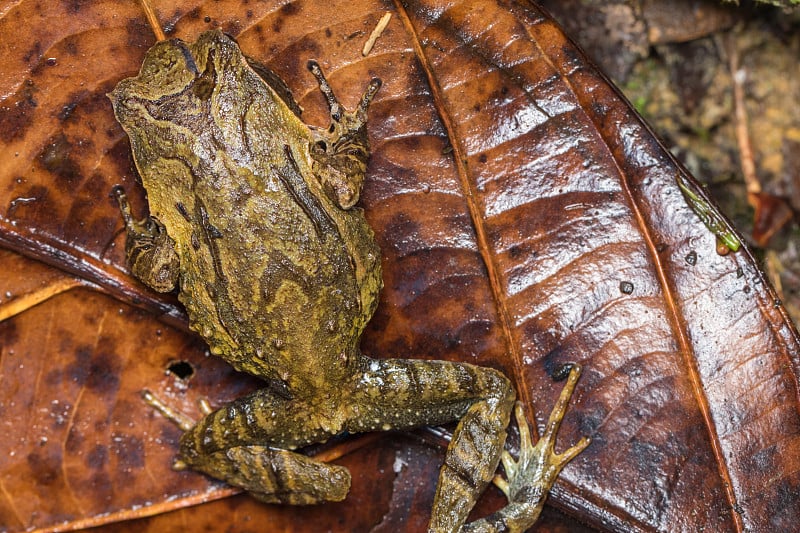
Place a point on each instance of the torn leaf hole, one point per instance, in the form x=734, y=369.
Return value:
x=181, y=369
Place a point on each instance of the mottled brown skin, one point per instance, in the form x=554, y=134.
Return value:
x=252, y=218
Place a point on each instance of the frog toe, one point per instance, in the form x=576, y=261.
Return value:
x=537, y=467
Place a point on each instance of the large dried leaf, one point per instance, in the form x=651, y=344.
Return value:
x=527, y=218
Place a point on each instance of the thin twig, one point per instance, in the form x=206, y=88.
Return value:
x=739, y=76
x=152, y=19
x=375, y=34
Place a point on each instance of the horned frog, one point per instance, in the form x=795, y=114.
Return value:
x=252, y=218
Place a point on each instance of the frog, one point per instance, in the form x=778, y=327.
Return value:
x=253, y=220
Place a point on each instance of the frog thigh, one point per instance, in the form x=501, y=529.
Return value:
x=240, y=444
x=397, y=394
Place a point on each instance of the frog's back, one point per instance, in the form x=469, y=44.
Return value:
x=273, y=274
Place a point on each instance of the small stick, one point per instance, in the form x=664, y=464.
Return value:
x=739, y=75
x=152, y=19
x=375, y=34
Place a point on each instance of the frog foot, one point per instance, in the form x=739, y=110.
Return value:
x=530, y=477
x=149, y=250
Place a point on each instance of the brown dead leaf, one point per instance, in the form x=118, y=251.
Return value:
x=527, y=218
x=38, y=284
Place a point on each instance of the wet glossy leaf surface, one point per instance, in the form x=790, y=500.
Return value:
x=526, y=216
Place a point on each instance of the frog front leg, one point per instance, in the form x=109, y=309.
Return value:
x=339, y=154
x=149, y=251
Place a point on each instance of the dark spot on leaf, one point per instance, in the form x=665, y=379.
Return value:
x=139, y=34
x=129, y=451
x=233, y=27
x=645, y=454
x=56, y=158
x=78, y=370
x=554, y=360
x=763, y=462
x=16, y=113
x=516, y=251
x=787, y=495
x=45, y=465
x=95, y=187
x=404, y=230
x=74, y=6
x=100, y=426
x=93, y=101
x=121, y=156
x=104, y=373
x=70, y=45
x=328, y=32
x=479, y=334
x=626, y=287
x=170, y=433
x=590, y=421
x=599, y=108
x=311, y=46
x=290, y=9
x=33, y=55
x=169, y=27
x=8, y=334
x=66, y=111
x=97, y=458
x=354, y=35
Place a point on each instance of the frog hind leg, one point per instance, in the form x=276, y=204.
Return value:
x=243, y=444
x=398, y=394
x=530, y=477
x=403, y=393
x=277, y=476
x=339, y=154
x=150, y=252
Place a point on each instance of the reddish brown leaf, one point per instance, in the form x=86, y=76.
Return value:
x=38, y=284
x=527, y=218
x=771, y=214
